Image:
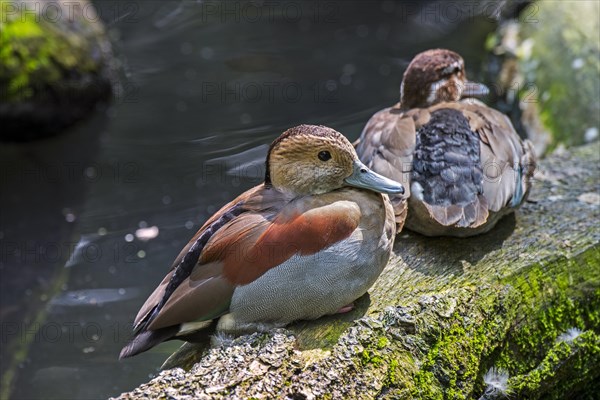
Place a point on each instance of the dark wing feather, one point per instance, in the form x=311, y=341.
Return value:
x=507, y=161
x=182, y=271
x=447, y=177
x=203, y=296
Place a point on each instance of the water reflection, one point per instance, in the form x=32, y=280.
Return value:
x=205, y=94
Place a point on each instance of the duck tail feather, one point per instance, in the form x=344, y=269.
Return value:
x=145, y=340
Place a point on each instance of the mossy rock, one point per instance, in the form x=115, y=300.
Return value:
x=55, y=66
x=548, y=77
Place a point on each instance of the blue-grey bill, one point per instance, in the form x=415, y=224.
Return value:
x=474, y=89
x=362, y=177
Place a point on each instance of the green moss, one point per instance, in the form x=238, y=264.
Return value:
x=570, y=298
x=332, y=335
x=371, y=357
x=36, y=53
x=568, y=290
x=426, y=387
x=382, y=342
x=392, y=378
x=546, y=299
x=453, y=360
x=567, y=369
x=315, y=334
x=401, y=368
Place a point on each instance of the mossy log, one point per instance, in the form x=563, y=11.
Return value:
x=515, y=311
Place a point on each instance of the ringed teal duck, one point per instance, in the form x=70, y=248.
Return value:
x=306, y=243
x=463, y=164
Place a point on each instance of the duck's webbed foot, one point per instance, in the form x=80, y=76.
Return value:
x=346, y=308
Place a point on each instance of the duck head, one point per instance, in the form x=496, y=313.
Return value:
x=434, y=76
x=310, y=159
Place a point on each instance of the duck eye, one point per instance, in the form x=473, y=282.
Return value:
x=324, y=155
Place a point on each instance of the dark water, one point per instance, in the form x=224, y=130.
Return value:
x=207, y=87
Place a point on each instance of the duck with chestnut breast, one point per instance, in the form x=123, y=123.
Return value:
x=463, y=164
x=306, y=243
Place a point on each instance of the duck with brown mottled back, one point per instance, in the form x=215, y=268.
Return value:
x=462, y=162
x=308, y=242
